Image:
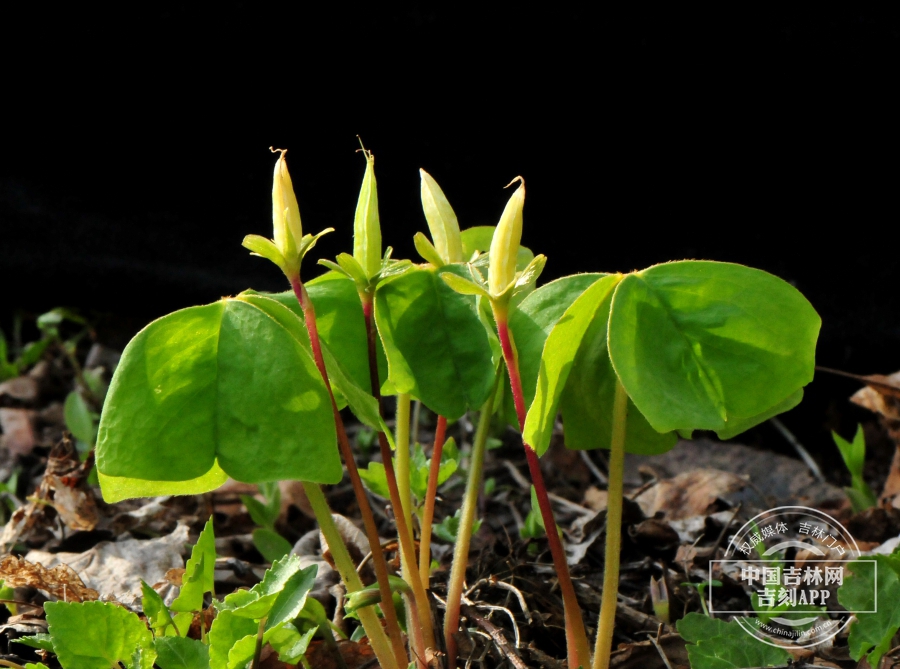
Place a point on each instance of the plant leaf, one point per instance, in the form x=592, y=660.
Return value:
x=716, y=644
x=427, y=251
x=175, y=652
x=463, y=285
x=290, y=645
x=199, y=572
x=436, y=345
x=79, y=418
x=442, y=222
x=700, y=344
x=264, y=248
x=224, y=381
x=478, y=239
x=285, y=576
x=98, y=635
x=226, y=630
x=871, y=633
x=117, y=488
x=271, y=545
x=155, y=609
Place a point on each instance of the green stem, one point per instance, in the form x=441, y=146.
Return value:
x=430, y=495
x=394, y=632
x=404, y=534
x=607, y=620
x=402, y=439
x=345, y=567
x=576, y=637
x=466, y=523
x=259, y=643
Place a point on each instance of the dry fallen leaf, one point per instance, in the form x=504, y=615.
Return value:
x=689, y=494
x=22, y=388
x=18, y=430
x=60, y=581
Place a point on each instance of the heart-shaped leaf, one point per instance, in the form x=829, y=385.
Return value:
x=436, y=345
x=220, y=383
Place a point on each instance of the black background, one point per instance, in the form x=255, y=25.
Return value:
x=135, y=147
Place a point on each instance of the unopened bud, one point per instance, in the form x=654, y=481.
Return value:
x=441, y=219
x=288, y=231
x=505, y=244
x=366, y=225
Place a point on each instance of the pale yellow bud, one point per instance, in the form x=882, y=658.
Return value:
x=505, y=244
x=287, y=228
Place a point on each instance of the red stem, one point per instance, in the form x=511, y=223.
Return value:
x=407, y=549
x=576, y=638
x=378, y=561
x=431, y=493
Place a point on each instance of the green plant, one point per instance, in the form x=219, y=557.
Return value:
x=716, y=644
x=854, y=454
x=251, y=386
x=276, y=611
x=271, y=545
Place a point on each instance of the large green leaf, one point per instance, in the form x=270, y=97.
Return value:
x=871, y=633
x=716, y=644
x=362, y=403
x=223, y=382
x=340, y=322
x=701, y=345
x=577, y=377
x=436, y=345
x=98, y=635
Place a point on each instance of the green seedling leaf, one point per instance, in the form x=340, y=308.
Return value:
x=716, y=644
x=222, y=382
x=700, y=344
x=465, y=285
x=264, y=248
x=420, y=468
x=375, y=479
x=442, y=222
x=283, y=585
x=258, y=511
x=199, y=572
x=448, y=529
x=36, y=665
x=31, y=353
x=437, y=348
x=854, y=454
x=80, y=420
x=427, y=250
x=871, y=633
x=155, y=609
x=271, y=545
x=97, y=635
x=95, y=382
x=39, y=641
x=226, y=630
x=175, y=652
x=289, y=643
x=117, y=488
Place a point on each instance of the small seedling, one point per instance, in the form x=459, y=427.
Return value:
x=271, y=545
x=854, y=454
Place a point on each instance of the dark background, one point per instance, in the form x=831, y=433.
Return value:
x=135, y=148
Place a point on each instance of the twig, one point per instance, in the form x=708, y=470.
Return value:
x=496, y=635
x=801, y=451
x=593, y=469
x=659, y=649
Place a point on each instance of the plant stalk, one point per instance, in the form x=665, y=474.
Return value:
x=345, y=567
x=394, y=632
x=402, y=440
x=466, y=523
x=576, y=637
x=404, y=535
x=607, y=620
x=428, y=511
